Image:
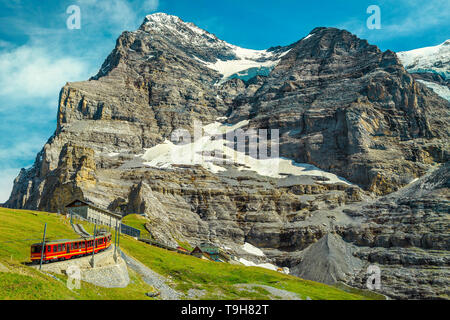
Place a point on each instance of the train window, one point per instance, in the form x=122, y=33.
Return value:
x=49, y=248
x=63, y=246
x=59, y=247
x=55, y=248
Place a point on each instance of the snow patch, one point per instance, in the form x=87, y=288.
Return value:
x=440, y=90
x=212, y=152
x=435, y=59
x=266, y=265
x=246, y=59
x=253, y=250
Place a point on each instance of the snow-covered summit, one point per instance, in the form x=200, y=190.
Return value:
x=227, y=59
x=162, y=20
x=435, y=59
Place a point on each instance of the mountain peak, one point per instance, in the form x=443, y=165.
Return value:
x=162, y=18
x=161, y=21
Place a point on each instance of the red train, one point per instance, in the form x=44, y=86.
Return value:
x=67, y=249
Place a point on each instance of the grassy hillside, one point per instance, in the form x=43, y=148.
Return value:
x=20, y=228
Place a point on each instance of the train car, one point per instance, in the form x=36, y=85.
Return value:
x=58, y=250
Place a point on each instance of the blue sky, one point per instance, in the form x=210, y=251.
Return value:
x=38, y=53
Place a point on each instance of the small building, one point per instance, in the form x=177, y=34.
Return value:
x=90, y=212
x=214, y=252
x=197, y=252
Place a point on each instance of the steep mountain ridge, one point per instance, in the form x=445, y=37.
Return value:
x=344, y=109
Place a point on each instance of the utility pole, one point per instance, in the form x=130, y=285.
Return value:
x=118, y=237
x=115, y=243
x=93, y=247
x=43, y=246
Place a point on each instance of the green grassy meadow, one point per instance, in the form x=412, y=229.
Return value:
x=20, y=228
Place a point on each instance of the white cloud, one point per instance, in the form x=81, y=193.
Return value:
x=7, y=177
x=30, y=72
x=422, y=16
x=24, y=149
x=150, y=5
x=408, y=17
x=117, y=15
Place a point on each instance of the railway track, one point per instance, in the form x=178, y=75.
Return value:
x=79, y=229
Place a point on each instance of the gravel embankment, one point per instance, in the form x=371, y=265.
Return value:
x=152, y=278
x=279, y=294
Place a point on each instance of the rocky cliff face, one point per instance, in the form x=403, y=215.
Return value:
x=354, y=121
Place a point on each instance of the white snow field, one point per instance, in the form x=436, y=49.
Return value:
x=429, y=59
x=253, y=250
x=211, y=151
x=266, y=265
x=246, y=59
x=440, y=90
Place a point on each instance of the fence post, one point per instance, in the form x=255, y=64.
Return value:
x=43, y=246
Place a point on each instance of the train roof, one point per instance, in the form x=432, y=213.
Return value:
x=59, y=241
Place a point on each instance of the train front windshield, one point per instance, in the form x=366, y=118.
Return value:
x=35, y=249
